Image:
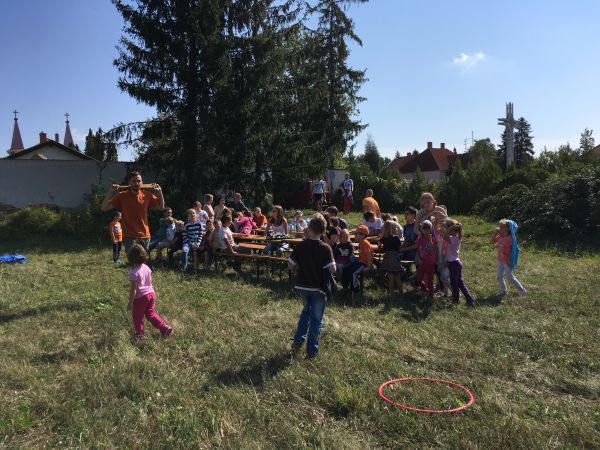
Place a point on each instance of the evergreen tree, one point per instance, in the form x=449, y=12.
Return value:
x=586, y=142
x=372, y=156
x=397, y=155
x=173, y=57
x=501, y=150
x=341, y=82
x=523, y=143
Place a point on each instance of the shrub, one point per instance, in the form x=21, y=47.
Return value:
x=564, y=207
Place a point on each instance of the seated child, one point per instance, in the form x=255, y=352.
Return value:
x=245, y=224
x=201, y=215
x=364, y=262
x=259, y=218
x=333, y=212
x=205, y=250
x=192, y=236
x=343, y=252
x=176, y=243
x=170, y=234
x=299, y=223
x=373, y=224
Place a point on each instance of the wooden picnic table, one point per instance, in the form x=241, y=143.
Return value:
x=249, y=237
x=251, y=246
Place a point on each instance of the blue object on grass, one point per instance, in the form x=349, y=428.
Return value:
x=13, y=259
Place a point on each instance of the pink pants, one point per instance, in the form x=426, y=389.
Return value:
x=144, y=306
x=426, y=271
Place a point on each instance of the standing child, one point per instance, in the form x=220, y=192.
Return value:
x=116, y=236
x=453, y=235
x=312, y=257
x=392, y=265
x=141, y=295
x=364, y=261
x=508, y=255
x=426, y=247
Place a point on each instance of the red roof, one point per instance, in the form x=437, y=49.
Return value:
x=429, y=160
x=398, y=163
x=596, y=151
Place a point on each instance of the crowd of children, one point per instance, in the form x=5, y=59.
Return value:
x=429, y=240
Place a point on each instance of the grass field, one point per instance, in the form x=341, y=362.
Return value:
x=69, y=376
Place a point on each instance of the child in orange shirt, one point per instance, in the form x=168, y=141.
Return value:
x=364, y=261
x=116, y=236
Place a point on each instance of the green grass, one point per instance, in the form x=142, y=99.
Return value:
x=69, y=376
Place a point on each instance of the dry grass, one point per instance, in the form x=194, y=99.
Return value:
x=69, y=377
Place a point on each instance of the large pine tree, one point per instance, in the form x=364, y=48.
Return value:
x=342, y=83
x=523, y=143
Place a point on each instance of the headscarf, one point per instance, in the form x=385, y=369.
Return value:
x=514, y=249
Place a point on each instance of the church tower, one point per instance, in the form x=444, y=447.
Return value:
x=68, y=138
x=16, y=144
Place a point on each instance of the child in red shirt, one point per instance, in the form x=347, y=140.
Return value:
x=426, y=245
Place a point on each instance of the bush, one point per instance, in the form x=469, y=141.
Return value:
x=562, y=207
x=31, y=221
x=85, y=222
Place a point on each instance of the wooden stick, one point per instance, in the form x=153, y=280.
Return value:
x=127, y=187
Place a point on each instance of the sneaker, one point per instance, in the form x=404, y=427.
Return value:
x=295, y=347
x=501, y=293
x=522, y=293
x=310, y=356
x=166, y=333
x=471, y=304
x=137, y=338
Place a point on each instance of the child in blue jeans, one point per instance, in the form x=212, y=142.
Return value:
x=311, y=257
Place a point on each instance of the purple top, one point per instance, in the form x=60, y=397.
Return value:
x=142, y=275
x=453, y=249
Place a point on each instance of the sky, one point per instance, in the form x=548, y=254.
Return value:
x=438, y=71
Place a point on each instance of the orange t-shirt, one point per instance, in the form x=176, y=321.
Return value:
x=134, y=210
x=370, y=204
x=364, y=249
x=261, y=220
x=115, y=230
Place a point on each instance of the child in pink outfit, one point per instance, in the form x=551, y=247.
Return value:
x=141, y=295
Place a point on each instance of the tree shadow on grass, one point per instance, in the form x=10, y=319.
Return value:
x=255, y=374
x=7, y=317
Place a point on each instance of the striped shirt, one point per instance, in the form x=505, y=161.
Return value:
x=192, y=232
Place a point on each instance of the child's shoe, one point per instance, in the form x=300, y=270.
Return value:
x=522, y=293
x=166, y=333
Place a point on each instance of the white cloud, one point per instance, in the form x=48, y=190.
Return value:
x=466, y=60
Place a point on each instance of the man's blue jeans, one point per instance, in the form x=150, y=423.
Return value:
x=310, y=321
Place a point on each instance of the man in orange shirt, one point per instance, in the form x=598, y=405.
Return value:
x=370, y=204
x=134, y=204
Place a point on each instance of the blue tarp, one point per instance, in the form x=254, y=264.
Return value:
x=13, y=259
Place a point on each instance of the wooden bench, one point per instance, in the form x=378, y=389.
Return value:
x=257, y=258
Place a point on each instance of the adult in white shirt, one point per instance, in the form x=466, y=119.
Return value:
x=318, y=193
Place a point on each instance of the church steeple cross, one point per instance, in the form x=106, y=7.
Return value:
x=15, y=112
x=67, y=116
